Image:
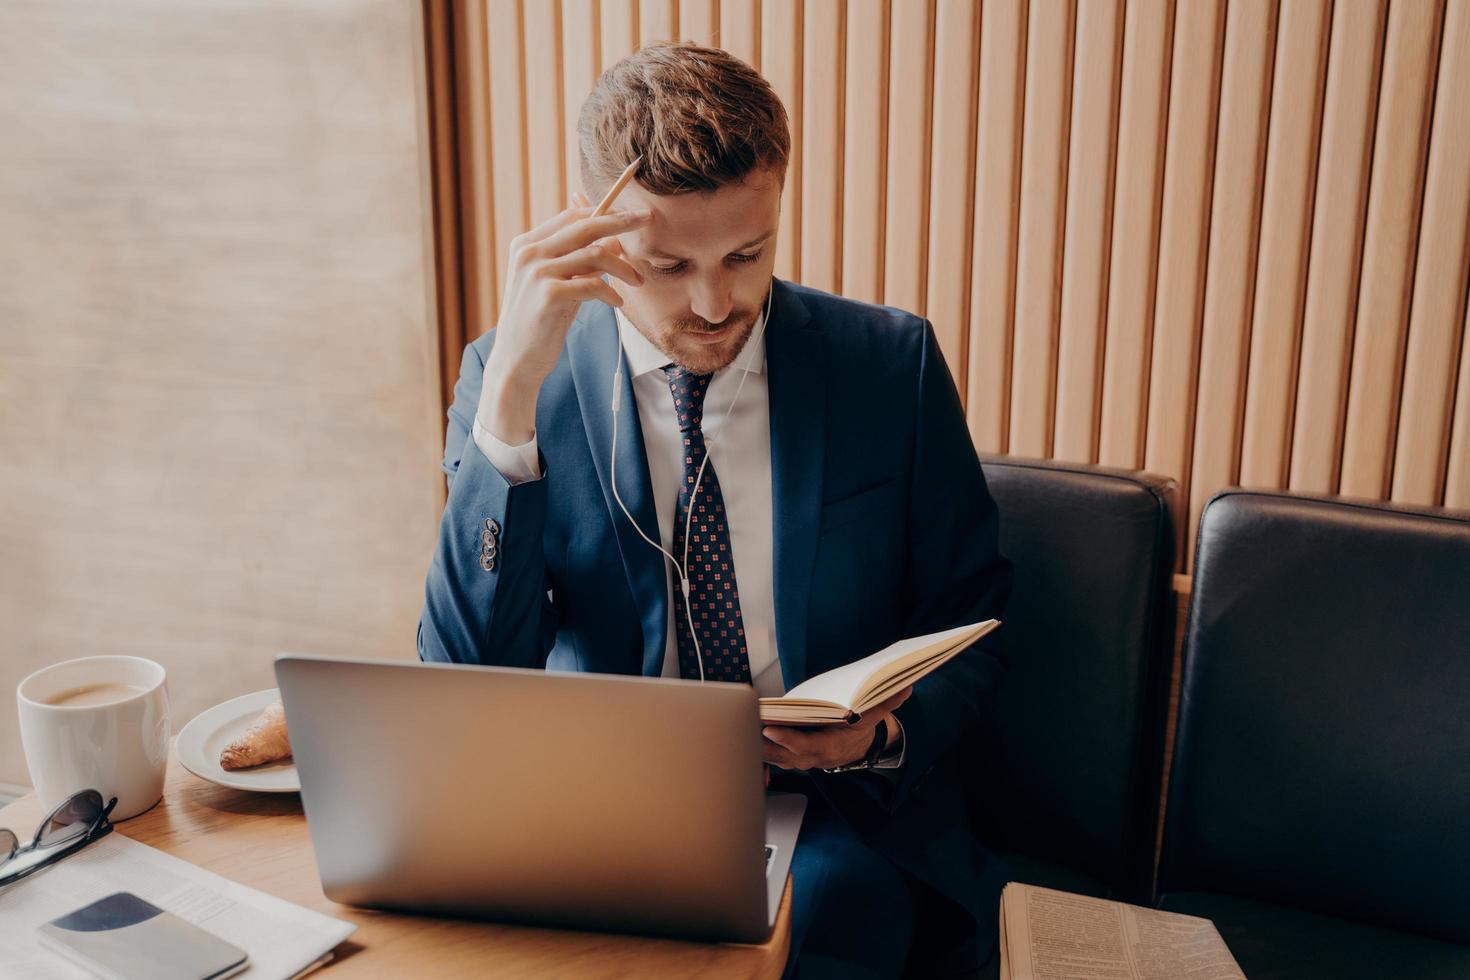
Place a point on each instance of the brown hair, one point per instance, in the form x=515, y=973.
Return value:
x=700, y=118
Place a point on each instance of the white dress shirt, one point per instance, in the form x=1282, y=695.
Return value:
x=738, y=442
x=739, y=447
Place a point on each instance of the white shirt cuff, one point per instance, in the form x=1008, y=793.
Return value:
x=518, y=464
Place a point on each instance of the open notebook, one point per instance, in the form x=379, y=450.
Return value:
x=842, y=694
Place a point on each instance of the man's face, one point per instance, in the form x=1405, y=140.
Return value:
x=706, y=260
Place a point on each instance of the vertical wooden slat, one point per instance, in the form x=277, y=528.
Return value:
x=448, y=289
x=1245, y=108
x=1183, y=237
x=1088, y=229
x=1281, y=271
x=479, y=261
x=1143, y=111
x=997, y=182
x=618, y=24
x=910, y=106
x=864, y=135
x=1439, y=278
x=658, y=20
x=781, y=45
x=545, y=129
x=581, y=63
x=952, y=178
x=740, y=30
x=507, y=125
x=1338, y=215
x=1394, y=196
x=1457, y=481
x=821, y=145
x=699, y=21
x=1043, y=208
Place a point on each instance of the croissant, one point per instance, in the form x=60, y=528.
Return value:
x=264, y=741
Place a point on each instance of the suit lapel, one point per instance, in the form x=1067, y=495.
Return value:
x=592, y=347
x=798, y=401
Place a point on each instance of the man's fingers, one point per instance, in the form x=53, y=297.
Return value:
x=590, y=287
x=580, y=234
x=593, y=260
x=548, y=227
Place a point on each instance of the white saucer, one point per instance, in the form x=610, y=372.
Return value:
x=201, y=741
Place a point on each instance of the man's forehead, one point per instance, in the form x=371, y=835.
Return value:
x=734, y=217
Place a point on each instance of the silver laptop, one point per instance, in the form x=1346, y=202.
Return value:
x=594, y=801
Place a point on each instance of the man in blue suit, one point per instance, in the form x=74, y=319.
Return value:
x=665, y=461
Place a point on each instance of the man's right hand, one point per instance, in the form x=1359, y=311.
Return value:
x=554, y=268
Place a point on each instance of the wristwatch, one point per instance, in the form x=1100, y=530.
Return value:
x=874, y=753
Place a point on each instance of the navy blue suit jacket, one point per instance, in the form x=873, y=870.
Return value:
x=883, y=530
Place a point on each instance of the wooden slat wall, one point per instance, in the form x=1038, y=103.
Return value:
x=1225, y=240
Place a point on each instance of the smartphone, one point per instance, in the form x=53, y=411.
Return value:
x=123, y=937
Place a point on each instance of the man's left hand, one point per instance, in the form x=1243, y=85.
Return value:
x=832, y=746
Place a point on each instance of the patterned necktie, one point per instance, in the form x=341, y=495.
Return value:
x=713, y=599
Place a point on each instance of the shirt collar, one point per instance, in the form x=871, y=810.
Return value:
x=644, y=357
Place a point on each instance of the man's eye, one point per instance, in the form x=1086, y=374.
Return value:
x=678, y=267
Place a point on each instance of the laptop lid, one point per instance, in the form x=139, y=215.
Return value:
x=595, y=801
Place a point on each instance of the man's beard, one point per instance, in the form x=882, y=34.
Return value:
x=707, y=358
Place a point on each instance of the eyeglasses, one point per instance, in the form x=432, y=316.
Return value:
x=77, y=822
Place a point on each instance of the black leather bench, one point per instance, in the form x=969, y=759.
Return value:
x=1066, y=783
x=1319, y=800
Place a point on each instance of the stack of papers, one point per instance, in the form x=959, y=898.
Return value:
x=284, y=940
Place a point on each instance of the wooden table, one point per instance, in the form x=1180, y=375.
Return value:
x=260, y=840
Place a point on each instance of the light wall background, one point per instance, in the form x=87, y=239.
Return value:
x=1223, y=241
x=219, y=412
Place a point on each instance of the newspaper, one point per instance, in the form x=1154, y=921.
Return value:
x=283, y=940
x=1052, y=935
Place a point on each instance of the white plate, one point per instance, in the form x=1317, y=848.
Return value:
x=200, y=743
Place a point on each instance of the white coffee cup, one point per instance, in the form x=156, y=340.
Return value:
x=97, y=723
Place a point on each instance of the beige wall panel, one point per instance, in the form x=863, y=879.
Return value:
x=699, y=21
x=997, y=187
x=910, y=107
x=740, y=29
x=218, y=358
x=617, y=24
x=1094, y=131
x=1394, y=196
x=1143, y=109
x=1281, y=275
x=1457, y=481
x=781, y=47
x=511, y=208
x=821, y=146
x=864, y=134
x=545, y=127
x=581, y=61
x=658, y=20
x=1439, y=278
x=1333, y=270
x=1225, y=337
x=1183, y=237
x=1043, y=208
x=952, y=178
x=479, y=263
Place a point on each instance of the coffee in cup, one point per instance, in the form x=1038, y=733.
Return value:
x=97, y=723
x=104, y=693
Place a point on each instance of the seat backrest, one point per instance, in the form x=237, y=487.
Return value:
x=1322, y=758
x=1069, y=770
